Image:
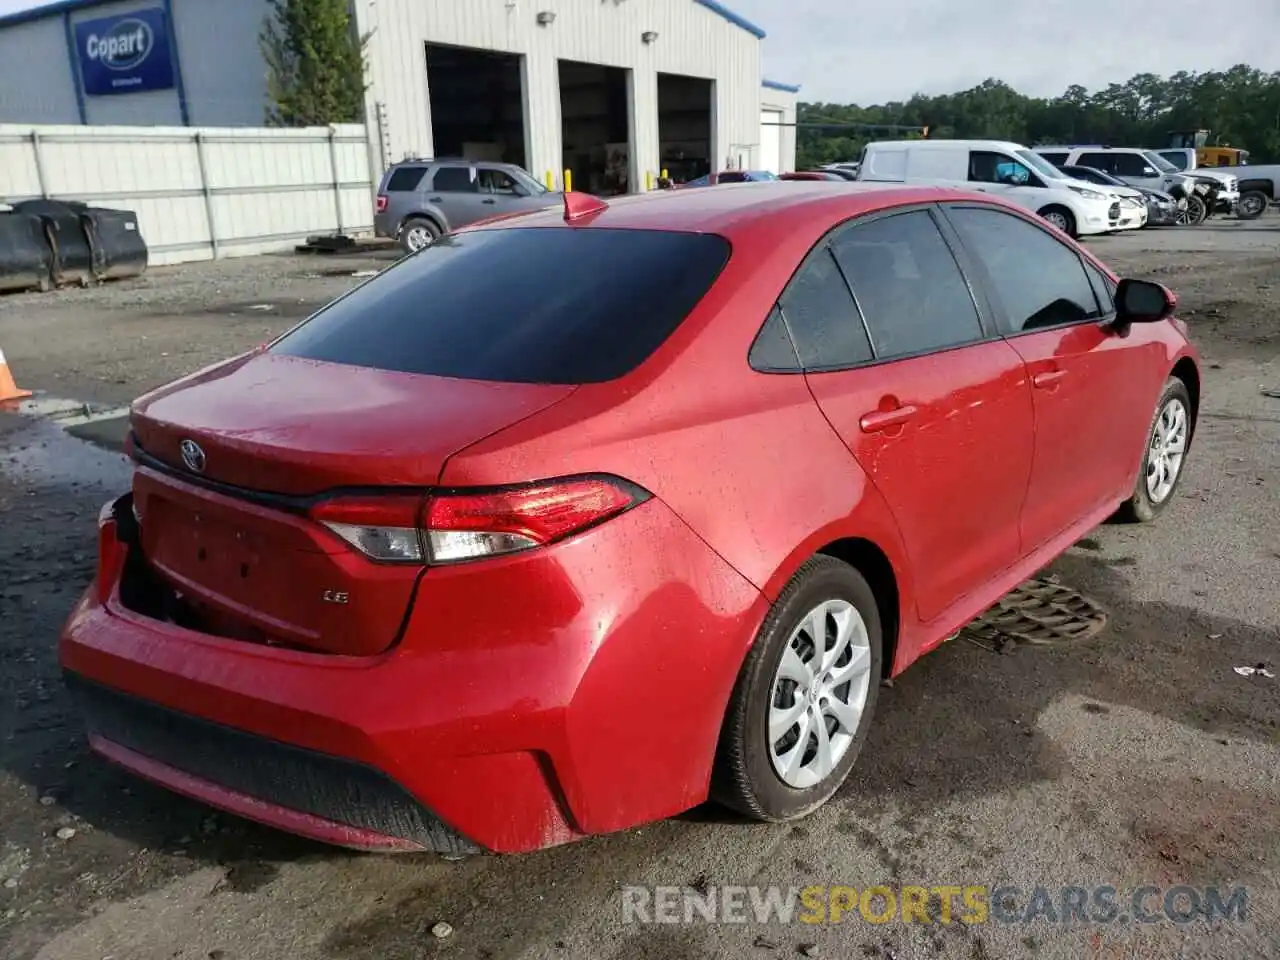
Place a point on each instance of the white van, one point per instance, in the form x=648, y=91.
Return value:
x=1007, y=170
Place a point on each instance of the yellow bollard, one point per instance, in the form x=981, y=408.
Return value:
x=549, y=180
x=568, y=180
x=665, y=175
x=648, y=179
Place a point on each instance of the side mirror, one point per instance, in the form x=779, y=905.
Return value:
x=1141, y=301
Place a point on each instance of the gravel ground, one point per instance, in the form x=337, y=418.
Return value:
x=1138, y=757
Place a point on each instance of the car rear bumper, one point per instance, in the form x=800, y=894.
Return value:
x=578, y=689
x=384, y=225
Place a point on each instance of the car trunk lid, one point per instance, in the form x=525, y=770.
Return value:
x=266, y=437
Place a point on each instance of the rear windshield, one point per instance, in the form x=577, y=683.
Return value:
x=522, y=305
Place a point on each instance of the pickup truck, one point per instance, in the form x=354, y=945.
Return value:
x=1259, y=185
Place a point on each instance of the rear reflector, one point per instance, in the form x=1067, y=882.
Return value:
x=460, y=526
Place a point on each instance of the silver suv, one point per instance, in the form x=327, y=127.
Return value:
x=420, y=200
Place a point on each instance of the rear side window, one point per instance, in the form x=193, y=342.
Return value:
x=1038, y=281
x=911, y=292
x=453, y=180
x=405, y=179
x=521, y=305
x=1057, y=159
x=823, y=318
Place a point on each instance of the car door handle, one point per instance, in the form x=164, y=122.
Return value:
x=435, y=200
x=490, y=200
x=1047, y=378
x=886, y=419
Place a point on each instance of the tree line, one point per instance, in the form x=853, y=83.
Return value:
x=1240, y=107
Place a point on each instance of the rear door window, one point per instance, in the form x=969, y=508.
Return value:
x=1106, y=162
x=453, y=180
x=908, y=285
x=405, y=179
x=521, y=305
x=1058, y=158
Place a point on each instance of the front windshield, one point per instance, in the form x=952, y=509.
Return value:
x=1040, y=165
x=1159, y=162
x=533, y=186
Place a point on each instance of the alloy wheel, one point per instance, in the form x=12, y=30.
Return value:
x=1168, y=448
x=1058, y=220
x=819, y=692
x=417, y=238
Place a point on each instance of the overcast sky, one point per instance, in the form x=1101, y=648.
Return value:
x=870, y=52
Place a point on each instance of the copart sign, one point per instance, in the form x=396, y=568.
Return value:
x=128, y=53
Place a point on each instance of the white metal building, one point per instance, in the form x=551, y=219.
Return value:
x=613, y=90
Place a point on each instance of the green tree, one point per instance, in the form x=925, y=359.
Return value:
x=315, y=63
x=1240, y=106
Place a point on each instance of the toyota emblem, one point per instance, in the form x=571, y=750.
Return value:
x=192, y=456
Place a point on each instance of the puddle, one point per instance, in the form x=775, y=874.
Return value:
x=41, y=454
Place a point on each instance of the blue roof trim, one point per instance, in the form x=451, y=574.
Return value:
x=776, y=85
x=729, y=15
x=50, y=10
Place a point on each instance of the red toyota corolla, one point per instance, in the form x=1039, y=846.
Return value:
x=571, y=521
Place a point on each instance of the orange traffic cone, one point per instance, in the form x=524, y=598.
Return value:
x=8, y=389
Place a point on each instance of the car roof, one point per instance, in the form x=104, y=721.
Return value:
x=941, y=144
x=735, y=207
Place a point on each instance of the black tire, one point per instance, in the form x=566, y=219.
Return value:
x=744, y=778
x=412, y=224
x=1252, y=204
x=1140, y=507
x=1068, y=221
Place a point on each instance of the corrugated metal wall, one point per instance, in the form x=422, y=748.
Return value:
x=692, y=40
x=200, y=192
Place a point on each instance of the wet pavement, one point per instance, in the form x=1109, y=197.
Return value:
x=1137, y=757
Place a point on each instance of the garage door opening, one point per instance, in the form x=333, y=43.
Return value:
x=771, y=140
x=684, y=126
x=595, y=126
x=477, y=106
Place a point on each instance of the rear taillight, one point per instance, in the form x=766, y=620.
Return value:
x=469, y=525
x=380, y=204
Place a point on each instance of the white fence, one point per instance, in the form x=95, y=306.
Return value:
x=200, y=193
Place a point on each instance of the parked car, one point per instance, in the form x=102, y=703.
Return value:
x=844, y=172
x=844, y=167
x=827, y=175
x=732, y=176
x=420, y=201
x=479, y=557
x=1007, y=170
x=1162, y=208
x=1259, y=187
x=1139, y=167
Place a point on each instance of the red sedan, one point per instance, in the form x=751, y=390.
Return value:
x=571, y=521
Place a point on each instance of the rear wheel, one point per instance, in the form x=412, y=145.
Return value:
x=804, y=699
x=418, y=232
x=1165, y=455
x=1252, y=204
x=1061, y=218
